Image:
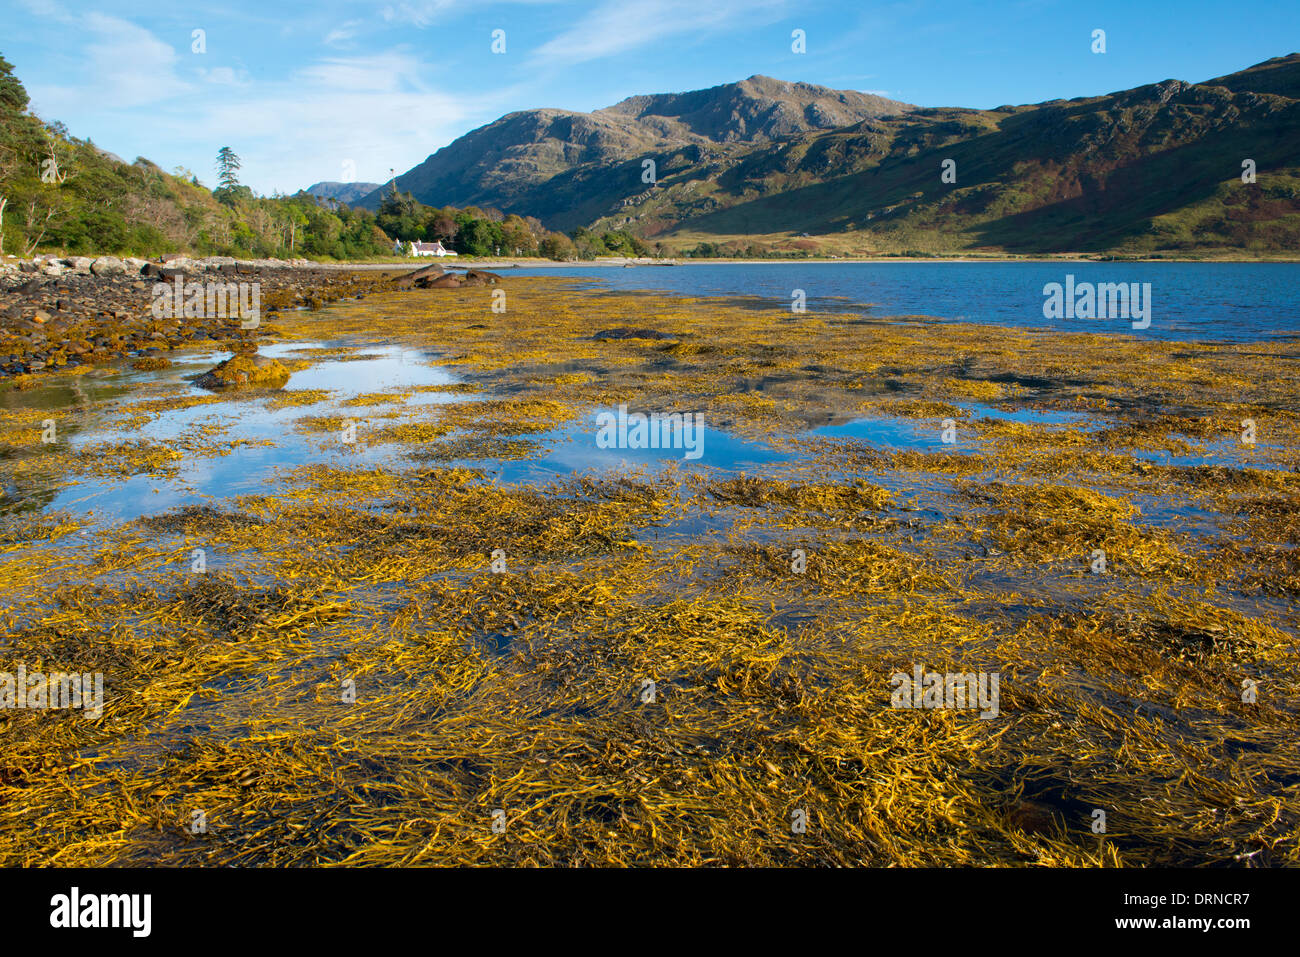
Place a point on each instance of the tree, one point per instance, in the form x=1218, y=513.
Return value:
x=36, y=219
x=294, y=219
x=227, y=166
x=517, y=237
x=8, y=163
x=556, y=246
x=441, y=227
x=13, y=98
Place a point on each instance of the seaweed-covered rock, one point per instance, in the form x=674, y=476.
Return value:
x=420, y=278
x=245, y=369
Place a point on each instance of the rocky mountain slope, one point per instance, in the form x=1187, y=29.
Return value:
x=763, y=162
x=566, y=167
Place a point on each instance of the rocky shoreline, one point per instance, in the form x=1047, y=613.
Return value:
x=58, y=312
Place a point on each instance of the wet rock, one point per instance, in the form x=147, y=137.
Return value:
x=420, y=278
x=1032, y=817
x=626, y=332
x=245, y=370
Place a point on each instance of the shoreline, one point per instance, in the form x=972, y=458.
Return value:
x=10, y=265
x=72, y=312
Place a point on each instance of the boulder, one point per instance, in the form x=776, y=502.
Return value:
x=245, y=370
x=107, y=266
x=79, y=264
x=419, y=278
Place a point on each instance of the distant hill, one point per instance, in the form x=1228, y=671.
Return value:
x=567, y=168
x=762, y=162
x=347, y=193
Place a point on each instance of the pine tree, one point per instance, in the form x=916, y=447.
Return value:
x=227, y=165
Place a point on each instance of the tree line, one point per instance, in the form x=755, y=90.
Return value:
x=61, y=193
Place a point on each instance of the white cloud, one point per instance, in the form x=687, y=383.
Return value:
x=617, y=26
x=419, y=13
x=225, y=76
x=340, y=35
x=372, y=112
x=126, y=65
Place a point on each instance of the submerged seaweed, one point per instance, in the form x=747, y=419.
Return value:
x=393, y=660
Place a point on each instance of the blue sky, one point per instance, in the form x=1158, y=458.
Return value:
x=332, y=90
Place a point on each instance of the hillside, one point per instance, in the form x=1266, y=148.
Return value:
x=755, y=165
x=568, y=168
x=60, y=193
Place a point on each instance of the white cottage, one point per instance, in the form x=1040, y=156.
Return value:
x=429, y=249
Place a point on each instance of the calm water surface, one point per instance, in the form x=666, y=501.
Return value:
x=1201, y=301
x=1239, y=302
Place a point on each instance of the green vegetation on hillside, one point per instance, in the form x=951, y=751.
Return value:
x=1157, y=170
x=1153, y=171
x=59, y=193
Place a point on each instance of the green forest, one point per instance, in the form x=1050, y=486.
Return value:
x=63, y=194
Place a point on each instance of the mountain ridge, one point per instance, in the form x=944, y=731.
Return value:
x=1152, y=167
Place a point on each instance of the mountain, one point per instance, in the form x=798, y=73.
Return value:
x=343, y=192
x=758, y=164
x=567, y=168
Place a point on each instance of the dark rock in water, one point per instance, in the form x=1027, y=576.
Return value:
x=626, y=332
x=449, y=281
x=1032, y=817
x=420, y=278
x=245, y=370
x=475, y=275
